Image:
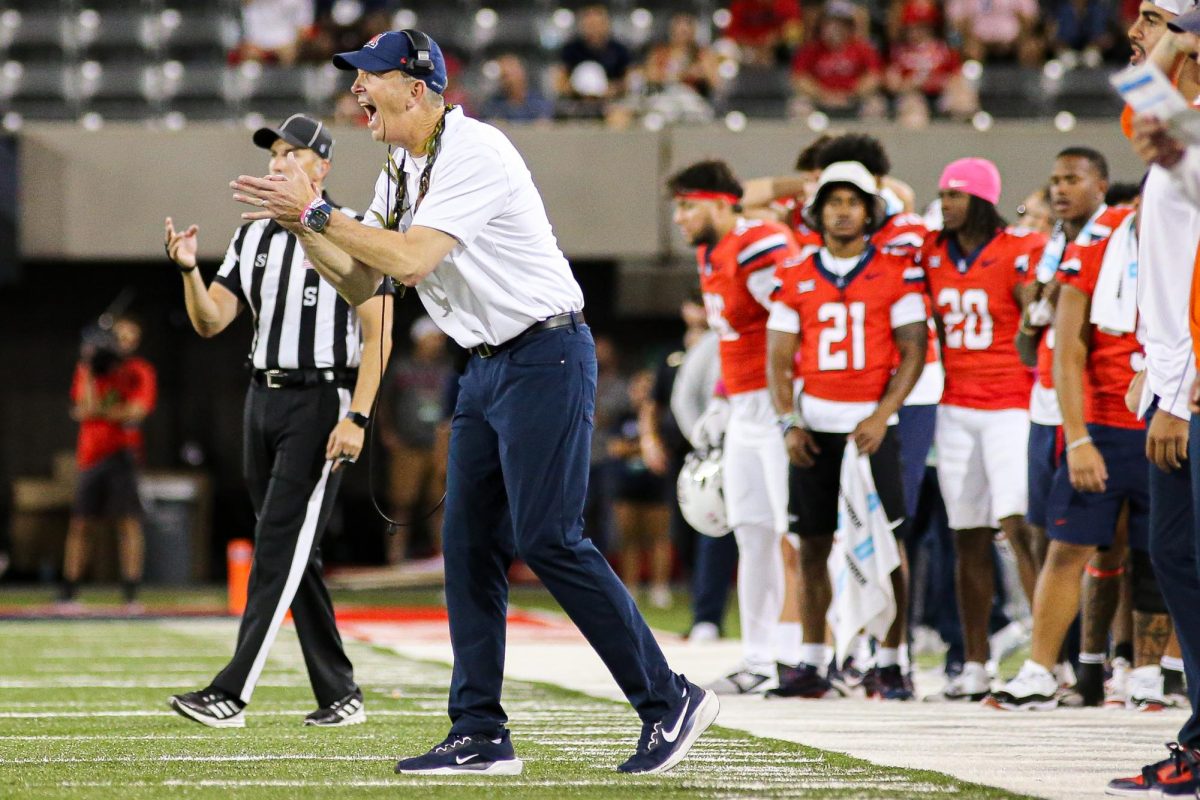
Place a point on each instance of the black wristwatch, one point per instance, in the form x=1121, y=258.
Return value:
x=316, y=215
x=358, y=419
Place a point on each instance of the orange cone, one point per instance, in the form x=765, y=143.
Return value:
x=239, y=554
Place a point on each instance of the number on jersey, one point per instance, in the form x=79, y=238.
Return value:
x=845, y=321
x=714, y=306
x=966, y=319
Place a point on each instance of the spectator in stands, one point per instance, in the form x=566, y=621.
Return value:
x=643, y=520
x=412, y=410
x=686, y=61
x=515, y=100
x=766, y=31
x=923, y=72
x=1080, y=29
x=273, y=30
x=838, y=72
x=902, y=13
x=664, y=92
x=997, y=29
x=593, y=66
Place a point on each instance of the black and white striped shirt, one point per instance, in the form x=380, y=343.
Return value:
x=299, y=319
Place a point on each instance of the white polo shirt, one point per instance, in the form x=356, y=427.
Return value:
x=507, y=272
x=1170, y=230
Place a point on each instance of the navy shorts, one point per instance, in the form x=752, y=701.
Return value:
x=1090, y=518
x=109, y=488
x=1045, y=456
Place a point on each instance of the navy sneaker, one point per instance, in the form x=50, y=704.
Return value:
x=805, y=681
x=466, y=754
x=1174, y=776
x=888, y=683
x=664, y=743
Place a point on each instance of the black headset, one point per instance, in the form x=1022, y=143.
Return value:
x=421, y=45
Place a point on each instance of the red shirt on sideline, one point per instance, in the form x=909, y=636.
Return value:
x=133, y=381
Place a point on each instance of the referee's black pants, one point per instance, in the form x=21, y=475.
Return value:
x=292, y=488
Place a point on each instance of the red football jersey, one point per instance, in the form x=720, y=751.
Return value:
x=974, y=296
x=847, y=352
x=734, y=275
x=132, y=381
x=1113, y=359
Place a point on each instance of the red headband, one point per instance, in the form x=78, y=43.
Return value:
x=696, y=194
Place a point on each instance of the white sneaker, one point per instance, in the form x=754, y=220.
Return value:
x=1064, y=673
x=970, y=684
x=1116, y=688
x=1146, y=689
x=703, y=632
x=746, y=679
x=1034, y=689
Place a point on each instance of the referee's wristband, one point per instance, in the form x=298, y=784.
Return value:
x=358, y=419
x=1080, y=442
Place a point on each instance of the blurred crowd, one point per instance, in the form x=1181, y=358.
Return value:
x=878, y=58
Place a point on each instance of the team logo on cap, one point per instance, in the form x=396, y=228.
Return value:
x=374, y=40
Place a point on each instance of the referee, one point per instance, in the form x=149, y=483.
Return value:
x=456, y=214
x=301, y=423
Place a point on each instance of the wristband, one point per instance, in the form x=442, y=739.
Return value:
x=1080, y=442
x=787, y=422
x=358, y=419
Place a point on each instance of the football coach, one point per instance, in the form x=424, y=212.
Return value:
x=457, y=216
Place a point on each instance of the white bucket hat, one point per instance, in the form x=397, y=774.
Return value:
x=849, y=173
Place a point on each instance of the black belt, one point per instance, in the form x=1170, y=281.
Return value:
x=296, y=378
x=486, y=350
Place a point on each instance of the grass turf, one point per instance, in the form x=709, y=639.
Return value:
x=83, y=715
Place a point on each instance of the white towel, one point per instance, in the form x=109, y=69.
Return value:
x=863, y=558
x=1114, y=303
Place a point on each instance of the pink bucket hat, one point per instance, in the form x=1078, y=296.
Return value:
x=974, y=176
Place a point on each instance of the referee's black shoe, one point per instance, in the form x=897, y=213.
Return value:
x=347, y=711
x=212, y=707
x=466, y=754
x=664, y=743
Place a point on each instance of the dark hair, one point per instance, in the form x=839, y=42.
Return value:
x=705, y=176
x=823, y=194
x=807, y=160
x=1094, y=157
x=983, y=218
x=860, y=147
x=1122, y=194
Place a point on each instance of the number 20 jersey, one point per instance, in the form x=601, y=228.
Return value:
x=974, y=297
x=736, y=277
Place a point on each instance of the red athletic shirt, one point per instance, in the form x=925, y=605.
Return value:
x=847, y=351
x=837, y=69
x=974, y=297
x=131, y=382
x=732, y=273
x=1112, y=359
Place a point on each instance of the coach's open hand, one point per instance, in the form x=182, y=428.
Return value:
x=282, y=197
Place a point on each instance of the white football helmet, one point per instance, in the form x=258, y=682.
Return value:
x=701, y=492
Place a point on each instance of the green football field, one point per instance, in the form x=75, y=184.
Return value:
x=83, y=714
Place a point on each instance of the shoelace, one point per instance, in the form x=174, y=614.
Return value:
x=1180, y=756
x=651, y=736
x=448, y=745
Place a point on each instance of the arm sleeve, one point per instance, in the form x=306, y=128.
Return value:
x=908, y=309
x=466, y=193
x=761, y=284
x=229, y=273
x=1187, y=174
x=694, y=383
x=786, y=319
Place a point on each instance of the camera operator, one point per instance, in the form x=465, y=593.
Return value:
x=112, y=393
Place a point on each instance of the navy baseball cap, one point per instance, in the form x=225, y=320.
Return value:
x=409, y=51
x=298, y=131
x=1186, y=23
